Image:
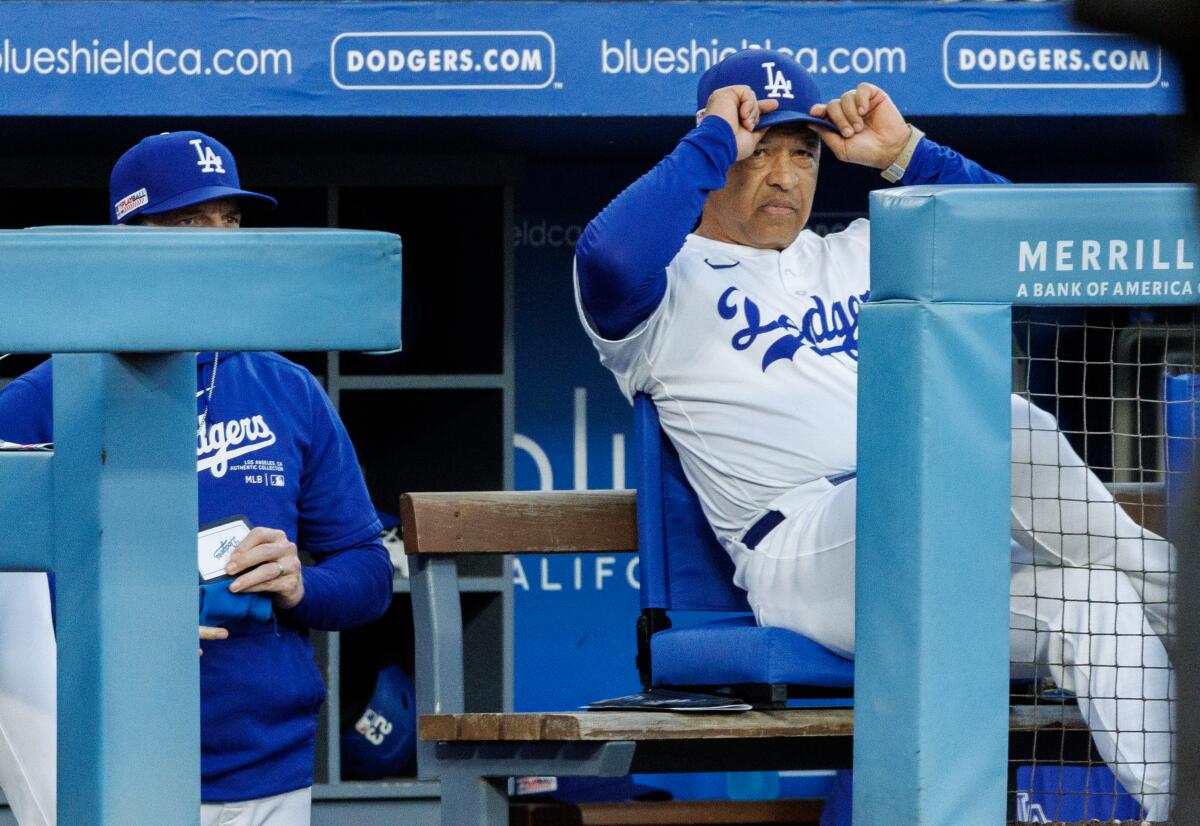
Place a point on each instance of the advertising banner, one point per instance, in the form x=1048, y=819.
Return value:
x=572, y=59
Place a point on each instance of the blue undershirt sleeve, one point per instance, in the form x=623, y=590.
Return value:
x=351, y=582
x=346, y=589
x=622, y=255
x=932, y=163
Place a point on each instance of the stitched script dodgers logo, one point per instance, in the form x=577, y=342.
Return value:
x=827, y=330
x=228, y=440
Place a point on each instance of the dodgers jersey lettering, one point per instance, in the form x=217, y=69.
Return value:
x=741, y=338
x=750, y=355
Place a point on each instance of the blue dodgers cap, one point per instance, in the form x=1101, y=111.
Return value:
x=773, y=75
x=173, y=170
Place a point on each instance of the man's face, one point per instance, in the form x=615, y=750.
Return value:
x=223, y=213
x=768, y=196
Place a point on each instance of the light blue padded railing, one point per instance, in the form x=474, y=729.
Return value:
x=113, y=509
x=947, y=265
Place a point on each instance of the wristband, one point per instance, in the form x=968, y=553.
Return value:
x=899, y=166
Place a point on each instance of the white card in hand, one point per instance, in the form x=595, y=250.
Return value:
x=216, y=542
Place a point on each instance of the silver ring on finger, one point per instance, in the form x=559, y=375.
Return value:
x=279, y=566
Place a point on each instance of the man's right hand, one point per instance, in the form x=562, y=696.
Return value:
x=737, y=106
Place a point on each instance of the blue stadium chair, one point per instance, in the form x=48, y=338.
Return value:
x=684, y=568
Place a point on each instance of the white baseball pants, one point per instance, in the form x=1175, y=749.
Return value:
x=1091, y=613
x=28, y=698
x=287, y=809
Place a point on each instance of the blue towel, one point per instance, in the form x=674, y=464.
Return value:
x=219, y=606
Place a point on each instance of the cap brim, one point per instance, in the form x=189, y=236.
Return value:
x=791, y=116
x=202, y=194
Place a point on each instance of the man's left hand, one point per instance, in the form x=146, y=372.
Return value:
x=873, y=132
x=268, y=563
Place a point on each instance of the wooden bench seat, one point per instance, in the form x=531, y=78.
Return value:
x=787, y=739
x=657, y=725
x=639, y=725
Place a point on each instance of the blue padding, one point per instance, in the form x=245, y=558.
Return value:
x=652, y=571
x=683, y=567
x=840, y=802
x=932, y=565
x=1182, y=426
x=735, y=650
x=1081, y=241
x=219, y=606
x=135, y=289
x=1051, y=794
x=26, y=499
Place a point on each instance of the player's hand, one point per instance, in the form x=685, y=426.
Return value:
x=737, y=106
x=873, y=132
x=269, y=564
x=210, y=632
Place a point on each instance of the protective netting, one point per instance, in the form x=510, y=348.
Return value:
x=1105, y=417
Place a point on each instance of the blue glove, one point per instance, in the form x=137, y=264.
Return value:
x=219, y=605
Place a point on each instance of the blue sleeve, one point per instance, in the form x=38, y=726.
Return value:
x=26, y=410
x=346, y=589
x=932, y=163
x=622, y=255
x=351, y=582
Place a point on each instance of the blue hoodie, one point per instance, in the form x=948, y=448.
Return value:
x=274, y=451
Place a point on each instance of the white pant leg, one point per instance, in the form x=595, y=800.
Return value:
x=287, y=809
x=801, y=576
x=1089, y=631
x=28, y=698
x=1087, y=628
x=1063, y=513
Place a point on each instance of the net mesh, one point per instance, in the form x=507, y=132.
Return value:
x=1104, y=427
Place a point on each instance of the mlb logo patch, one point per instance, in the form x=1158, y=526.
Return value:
x=130, y=202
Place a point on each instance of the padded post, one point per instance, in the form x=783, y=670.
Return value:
x=931, y=672
x=125, y=535
x=26, y=498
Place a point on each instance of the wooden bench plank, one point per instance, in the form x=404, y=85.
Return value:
x=547, y=522
x=601, y=726
x=509, y=522
x=637, y=725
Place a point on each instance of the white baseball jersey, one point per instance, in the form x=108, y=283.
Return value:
x=752, y=361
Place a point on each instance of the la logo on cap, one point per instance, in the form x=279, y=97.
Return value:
x=211, y=162
x=777, y=85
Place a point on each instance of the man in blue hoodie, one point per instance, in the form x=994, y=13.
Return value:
x=273, y=454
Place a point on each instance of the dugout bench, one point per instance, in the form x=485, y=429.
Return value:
x=473, y=754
